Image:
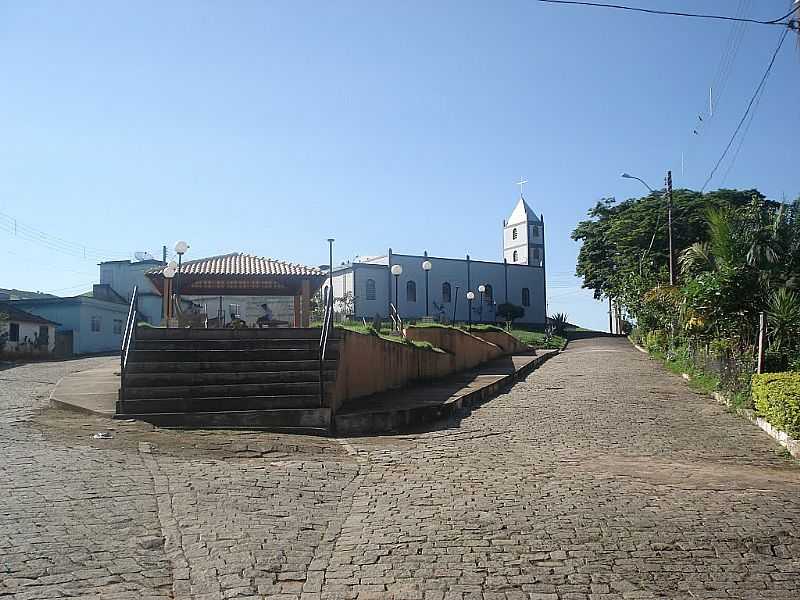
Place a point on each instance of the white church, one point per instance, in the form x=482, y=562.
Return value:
x=424, y=285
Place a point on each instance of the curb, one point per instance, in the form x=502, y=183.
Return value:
x=784, y=439
x=398, y=420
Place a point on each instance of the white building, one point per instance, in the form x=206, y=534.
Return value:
x=519, y=279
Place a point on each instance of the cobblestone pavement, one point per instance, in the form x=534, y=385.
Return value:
x=599, y=477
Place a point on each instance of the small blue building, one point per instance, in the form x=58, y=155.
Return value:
x=95, y=321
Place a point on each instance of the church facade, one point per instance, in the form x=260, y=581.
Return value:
x=442, y=294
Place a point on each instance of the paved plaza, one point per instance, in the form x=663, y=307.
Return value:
x=600, y=476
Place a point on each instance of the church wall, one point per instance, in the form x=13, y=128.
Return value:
x=523, y=276
x=367, y=307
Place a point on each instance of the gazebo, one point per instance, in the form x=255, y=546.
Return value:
x=239, y=275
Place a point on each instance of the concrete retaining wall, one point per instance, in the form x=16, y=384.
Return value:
x=507, y=342
x=369, y=364
x=469, y=350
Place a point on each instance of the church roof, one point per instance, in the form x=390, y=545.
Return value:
x=522, y=212
x=238, y=264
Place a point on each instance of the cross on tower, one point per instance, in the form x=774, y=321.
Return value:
x=521, y=183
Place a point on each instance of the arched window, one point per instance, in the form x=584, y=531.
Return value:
x=534, y=231
x=446, y=293
x=514, y=233
x=488, y=294
x=370, y=289
x=526, y=297
x=516, y=256
x=411, y=292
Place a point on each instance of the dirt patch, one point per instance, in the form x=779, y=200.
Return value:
x=77, y=429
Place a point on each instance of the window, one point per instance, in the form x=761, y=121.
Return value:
x=370, y=289
x=514, y=233
x=96, y=324
x=536, y=254
x=516, y=256
x=489, y=294
x=235, y=310
x=526, y=297
x=117, y=327
x=13, y=332
x=411, y=292
x=446, y=293
x=534, y=230
x=44, y=335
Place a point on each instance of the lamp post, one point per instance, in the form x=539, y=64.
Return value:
x=180, y=248
x=397, y=270
x=668, y=193
x=330, y=269
x=470, y=298
x=481, y=290
x=169, y=273
x=426, y=266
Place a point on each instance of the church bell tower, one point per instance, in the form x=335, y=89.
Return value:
x=523, y=236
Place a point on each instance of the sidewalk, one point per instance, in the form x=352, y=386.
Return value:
x=414, y=406
x=94, y=390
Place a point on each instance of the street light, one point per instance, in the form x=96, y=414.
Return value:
x=668, y=186
x=481, y=289
x=470, y=298
x=397, y=270
x=426, y=266
x=180, y=248
x=169, y=273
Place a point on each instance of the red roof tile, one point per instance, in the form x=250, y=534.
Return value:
x=238, y=264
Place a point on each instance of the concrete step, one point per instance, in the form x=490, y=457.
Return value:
x=213, y=405
x=157, y=333
x=238, y=344
x=227, y=355
x=214, y=378
x=222, y=391
x=244, y=366
x=284, y=420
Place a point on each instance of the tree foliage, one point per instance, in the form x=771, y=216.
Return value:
x=737, y=253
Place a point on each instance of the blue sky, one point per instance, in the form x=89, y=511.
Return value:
x=266, y=127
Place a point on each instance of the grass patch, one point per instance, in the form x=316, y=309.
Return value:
x=387, y=334
x=699, y=380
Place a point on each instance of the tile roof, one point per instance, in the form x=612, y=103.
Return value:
x=20, y=316
x=239, y=264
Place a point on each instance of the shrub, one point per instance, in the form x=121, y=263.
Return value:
x=656, y=340
x=777, y=398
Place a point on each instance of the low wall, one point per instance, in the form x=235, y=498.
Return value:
x=468, y=349
x=369, y=364
x=507, y=342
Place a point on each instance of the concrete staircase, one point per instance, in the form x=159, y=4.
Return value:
x=228, y=378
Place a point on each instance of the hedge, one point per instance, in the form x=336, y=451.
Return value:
x=777, y=398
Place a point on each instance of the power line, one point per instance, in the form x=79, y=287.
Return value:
x=778, y=21
x=24, y=231
x=747, y=111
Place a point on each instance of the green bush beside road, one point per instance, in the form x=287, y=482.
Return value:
x=777, y=398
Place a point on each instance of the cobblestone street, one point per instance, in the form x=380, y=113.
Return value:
x=601, y=476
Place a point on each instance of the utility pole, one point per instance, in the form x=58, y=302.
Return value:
x=669, y=226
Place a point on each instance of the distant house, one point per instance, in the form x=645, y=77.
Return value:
x=88, y=324
x=122, y=276
x=24, y=333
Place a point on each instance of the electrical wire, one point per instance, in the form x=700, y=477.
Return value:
x=26, y=232
x=779, y=21
x=747, y=111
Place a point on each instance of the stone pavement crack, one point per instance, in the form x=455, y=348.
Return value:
x=173, y=544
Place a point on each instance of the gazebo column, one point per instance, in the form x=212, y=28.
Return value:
x=305, y=294
x=297, y=310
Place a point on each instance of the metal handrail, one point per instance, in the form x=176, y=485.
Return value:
x=395, y=316
x=129, y=335
x=327, y=320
